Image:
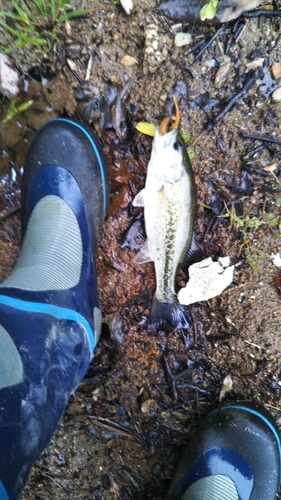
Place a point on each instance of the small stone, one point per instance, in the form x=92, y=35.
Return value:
x=9, y=77
x=182, y=39
x=276, y=259
x=128, y=60
x=276, y=95
x=276, y=69
x=257, y=63
x=149, y=407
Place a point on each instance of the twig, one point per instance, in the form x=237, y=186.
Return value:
x=209, y=43
x=249, y=83
x=262, y=12
x=261, y=138
x=252, y=343
x=196, y=140
x=195, y=46
x=114, y=425
x=172, y=378
x=89, y=68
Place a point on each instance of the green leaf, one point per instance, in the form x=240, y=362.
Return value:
x=11, y=111
x=53, y=11
x=14, y=109
x=34, y=41
x=209, y=10
x=191, y=152
x=184, y=136
x=146, y=128
x=26, y=10
x=62, y=4
x=203, y=205
x=22, y=15
x=41, y=6
x=24, y=105
x=278, y=201
x=73, y=13
x=271, y=220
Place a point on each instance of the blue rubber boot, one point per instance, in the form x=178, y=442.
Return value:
x=234, y=455
x=50, y=317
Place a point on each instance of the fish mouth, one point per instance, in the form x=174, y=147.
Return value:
x=164, y=126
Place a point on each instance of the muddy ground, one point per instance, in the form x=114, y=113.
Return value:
x=129, y=421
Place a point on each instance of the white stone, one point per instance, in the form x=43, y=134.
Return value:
x=9, y=77
x=127, y=6
x=182, y=39
x=276, y=259
x=207, y=279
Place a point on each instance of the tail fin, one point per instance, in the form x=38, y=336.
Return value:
x=173, y=314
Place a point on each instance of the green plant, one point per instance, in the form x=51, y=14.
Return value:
x=257, y=396
x=209, y=10
x=247, y=225
x=190, y=150
x=15, y=108
x=35, y=22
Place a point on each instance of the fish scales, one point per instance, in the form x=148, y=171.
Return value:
x=167, y=222
x=169, y=201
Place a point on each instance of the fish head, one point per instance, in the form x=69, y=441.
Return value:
x=168, y=157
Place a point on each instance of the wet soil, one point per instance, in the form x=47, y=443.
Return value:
x=130, y=419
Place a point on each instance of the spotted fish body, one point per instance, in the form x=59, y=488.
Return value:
x=169, y=200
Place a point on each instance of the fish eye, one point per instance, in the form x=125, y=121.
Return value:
x=178, y=146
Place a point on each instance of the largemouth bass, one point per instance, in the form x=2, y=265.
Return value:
x=169, y=200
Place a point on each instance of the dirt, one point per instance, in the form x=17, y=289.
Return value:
x=128, y=423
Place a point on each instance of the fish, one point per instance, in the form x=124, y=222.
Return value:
x=169, y=201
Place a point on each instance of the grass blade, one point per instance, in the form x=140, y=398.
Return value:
x=73, y=13
x=36, y=40
x=53, y=11
x=41, y=6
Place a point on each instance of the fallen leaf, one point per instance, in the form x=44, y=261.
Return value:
x=149, y=406
x=67, y=27
x=270, y=168
x=277, y=281
x=123, y=179
x=128, y=60
x=146, y=128
x=115, y=79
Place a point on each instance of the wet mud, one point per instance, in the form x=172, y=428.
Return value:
x=129, y=421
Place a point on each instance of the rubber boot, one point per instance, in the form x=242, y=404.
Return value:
x=50, y=317
x=234, y=455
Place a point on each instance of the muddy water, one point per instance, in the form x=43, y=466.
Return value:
x=124, y=429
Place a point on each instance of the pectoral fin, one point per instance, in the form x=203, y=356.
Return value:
x=139, y=199
x=143, y=255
